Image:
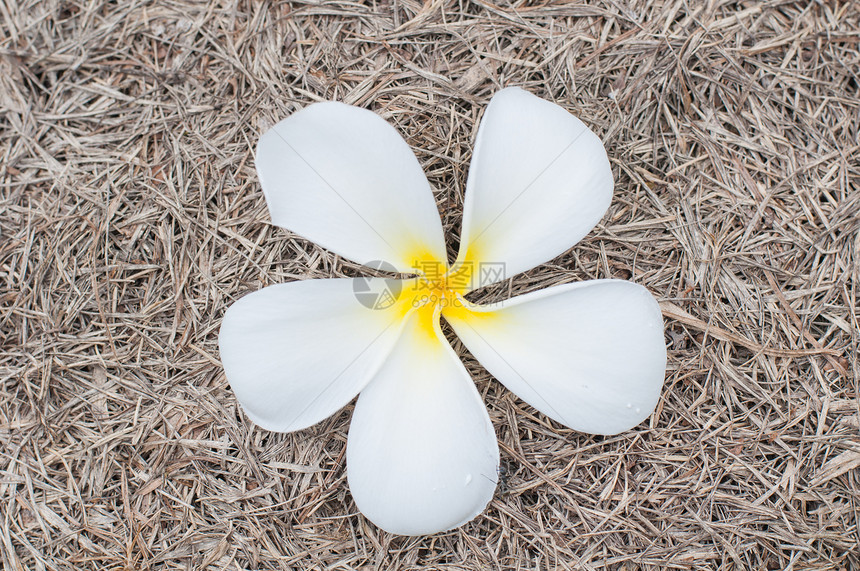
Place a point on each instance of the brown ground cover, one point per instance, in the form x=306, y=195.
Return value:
x=131, y=217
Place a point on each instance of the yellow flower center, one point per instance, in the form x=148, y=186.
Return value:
x=437, y=289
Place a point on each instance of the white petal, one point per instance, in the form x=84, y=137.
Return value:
x=297, y=352
x=590, y=355
x=422, y=455
x=539, y=181
x=344, y=178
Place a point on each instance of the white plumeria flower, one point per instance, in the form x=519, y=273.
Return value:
x=422, y=455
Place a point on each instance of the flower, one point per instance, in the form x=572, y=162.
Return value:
x=422, y=455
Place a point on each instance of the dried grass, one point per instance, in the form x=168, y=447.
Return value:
x=131, y=217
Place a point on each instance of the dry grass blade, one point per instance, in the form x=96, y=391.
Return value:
x=131, y=217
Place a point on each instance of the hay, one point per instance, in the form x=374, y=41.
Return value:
x=131, y=217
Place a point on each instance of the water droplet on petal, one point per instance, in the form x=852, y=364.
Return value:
x=638, y=410
x=629, y=405
x=468, y=479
